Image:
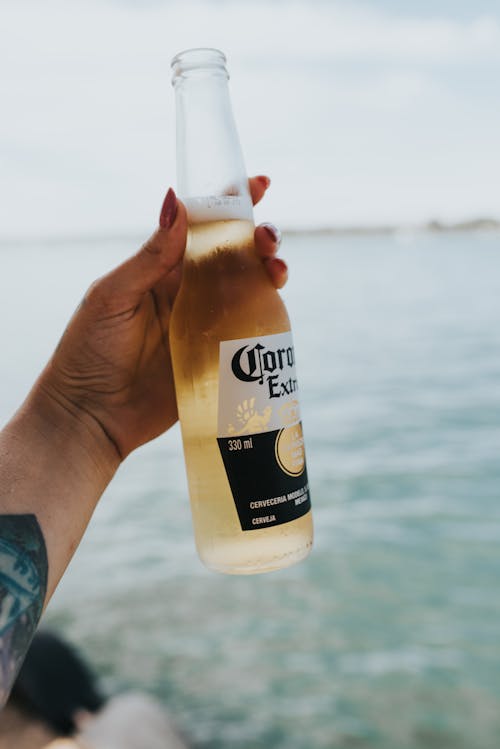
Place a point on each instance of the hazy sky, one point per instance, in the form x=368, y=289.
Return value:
x=361, y=113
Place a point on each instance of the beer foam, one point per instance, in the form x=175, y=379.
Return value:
x=218, y=208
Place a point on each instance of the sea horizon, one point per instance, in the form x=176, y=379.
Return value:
x=478, y=225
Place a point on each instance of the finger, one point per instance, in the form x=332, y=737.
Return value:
x=277, y=270
x=164, y=294
x=169, y=284
x=162, y=252
x=267, y=240
x=258, y=186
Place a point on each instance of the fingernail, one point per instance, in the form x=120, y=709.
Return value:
x=278, y=270
x=273, y=232
x=264, y=180
x=168, y=210
x=279, y=261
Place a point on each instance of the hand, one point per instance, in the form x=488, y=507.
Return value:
x=112, y=367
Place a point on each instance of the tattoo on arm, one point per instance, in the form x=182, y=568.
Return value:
x=23, y=584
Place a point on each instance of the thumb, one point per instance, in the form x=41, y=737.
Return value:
x=162, y=252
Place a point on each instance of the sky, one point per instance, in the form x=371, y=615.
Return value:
x=361, y=113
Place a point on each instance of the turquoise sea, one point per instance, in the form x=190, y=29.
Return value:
x=388, y=636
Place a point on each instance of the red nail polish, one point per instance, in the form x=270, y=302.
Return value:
x=265, y=180
x=168, y=210
x=273, y=232
x=279, y=261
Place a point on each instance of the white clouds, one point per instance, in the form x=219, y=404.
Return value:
x=92, y=33
x=366, y=111
x=366, y=35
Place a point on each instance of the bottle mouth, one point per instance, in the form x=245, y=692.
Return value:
x=198, y=60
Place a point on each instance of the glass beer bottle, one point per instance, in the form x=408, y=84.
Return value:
x=232, y=352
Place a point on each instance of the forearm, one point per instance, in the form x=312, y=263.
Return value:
x=54, y=465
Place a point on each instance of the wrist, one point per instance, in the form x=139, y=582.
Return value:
x=64, y=425
x=62, y=440
x=55, y=463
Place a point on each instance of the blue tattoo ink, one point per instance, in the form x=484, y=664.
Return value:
x=23, y=585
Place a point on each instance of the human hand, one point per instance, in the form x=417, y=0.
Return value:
x=112, y=367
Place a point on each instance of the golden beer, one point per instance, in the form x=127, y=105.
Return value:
x=233, y=360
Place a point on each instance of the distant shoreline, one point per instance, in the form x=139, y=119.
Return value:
x=480, y=225
x=431, y=227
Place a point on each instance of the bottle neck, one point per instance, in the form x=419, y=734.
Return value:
x=211, y=175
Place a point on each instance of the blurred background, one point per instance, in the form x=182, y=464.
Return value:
x=378, y=123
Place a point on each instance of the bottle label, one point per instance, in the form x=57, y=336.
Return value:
x=259, y=430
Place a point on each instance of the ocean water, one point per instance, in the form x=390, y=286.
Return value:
x=388, y=636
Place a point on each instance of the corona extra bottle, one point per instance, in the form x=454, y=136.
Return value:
x=232, y=350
